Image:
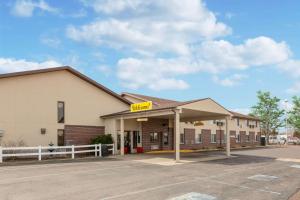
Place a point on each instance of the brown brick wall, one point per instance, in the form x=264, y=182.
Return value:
x=243, y=138
x=159, y=126
x=81, y=135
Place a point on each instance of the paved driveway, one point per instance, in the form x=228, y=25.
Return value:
x=250, y=174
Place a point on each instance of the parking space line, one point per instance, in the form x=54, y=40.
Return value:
x=148, y=189
x=209, y=178
x=37, y=166
x=243, y=187
x=59, y=174
x=288, y=160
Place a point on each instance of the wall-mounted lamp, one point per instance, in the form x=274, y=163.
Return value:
x=142, y=119
x=198, y=123
x=1, y=133
x=220, y=123
x=43, y=131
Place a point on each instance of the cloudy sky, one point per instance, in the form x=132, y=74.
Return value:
x=223, y=49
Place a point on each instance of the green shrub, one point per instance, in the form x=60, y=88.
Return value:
x=103, y=139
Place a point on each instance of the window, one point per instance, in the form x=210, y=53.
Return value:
x=224, y=139
x=153, y=137
x=238, y=138
x=166, y=138
x=237, y=121
x=247, y=137
x=60, y=137
x=257, y=138
x=213, y=137
x=118, y=141
x=199, y=138
x=61, y=112
x=182, y=138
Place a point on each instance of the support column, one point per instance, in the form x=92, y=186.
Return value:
x=115, y=135
x=141, y=134
x=177, y=134
x=122, y=136
x=227, y=137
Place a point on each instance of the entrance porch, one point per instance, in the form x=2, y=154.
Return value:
x=169, y=128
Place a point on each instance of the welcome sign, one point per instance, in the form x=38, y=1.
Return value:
x=136, y=107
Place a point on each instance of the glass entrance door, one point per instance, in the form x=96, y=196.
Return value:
x=127, y=142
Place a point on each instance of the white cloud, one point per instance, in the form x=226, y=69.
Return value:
x=149, y=27
x=51, y=42
x=135, y=73
x=229, y=81
x=170, y=39
x=115, y=6
x=286, y=105
x=13, y=65
x=292, y=67
x=106, y=70
x=229, y=15
x=260, y=51
x=295, y=89
x=25, y=8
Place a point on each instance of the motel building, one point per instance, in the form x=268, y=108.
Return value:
x=61, y=106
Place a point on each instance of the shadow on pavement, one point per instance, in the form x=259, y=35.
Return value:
x=238, y=159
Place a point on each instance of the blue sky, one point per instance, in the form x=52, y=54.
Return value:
x=223, y=49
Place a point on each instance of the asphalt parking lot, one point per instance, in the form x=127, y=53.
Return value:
x=272, y=173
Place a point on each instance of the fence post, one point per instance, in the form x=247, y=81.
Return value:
x=96, y=149
x=113, y=149
x=73, y=152
x=100, y=151
x=1, y=159
x=40, y=153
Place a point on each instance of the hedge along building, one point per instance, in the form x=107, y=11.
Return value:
x=62, y=106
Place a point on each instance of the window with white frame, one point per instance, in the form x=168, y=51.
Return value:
x=213, y=137
x=182, y=138
x=238, y=138
x=198, y=138
x=154, y=137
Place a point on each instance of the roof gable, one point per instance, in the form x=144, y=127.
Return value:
x=70, y=70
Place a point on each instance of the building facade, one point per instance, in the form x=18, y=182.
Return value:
x=61, y=106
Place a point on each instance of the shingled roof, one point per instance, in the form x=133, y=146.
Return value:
x=242, y=116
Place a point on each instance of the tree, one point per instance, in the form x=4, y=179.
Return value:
x=267, y=109
x=294, y=114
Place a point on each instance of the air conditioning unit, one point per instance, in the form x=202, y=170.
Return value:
x=1, y=133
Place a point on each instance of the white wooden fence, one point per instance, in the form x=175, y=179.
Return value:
x=40, y=151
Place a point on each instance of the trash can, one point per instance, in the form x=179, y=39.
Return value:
x=263, y=140
x=104, y=150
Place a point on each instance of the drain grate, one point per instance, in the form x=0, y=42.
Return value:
x=194, y=196
x=261, y=177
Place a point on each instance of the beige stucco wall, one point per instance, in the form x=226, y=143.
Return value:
x=29, y=103
x=206, y=105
